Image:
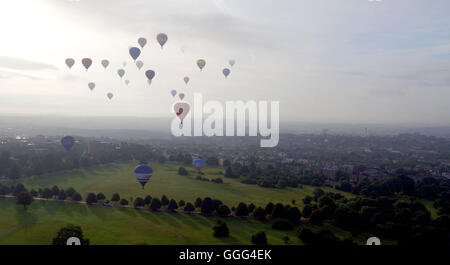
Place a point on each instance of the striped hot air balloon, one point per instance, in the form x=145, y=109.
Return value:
x=143, y=174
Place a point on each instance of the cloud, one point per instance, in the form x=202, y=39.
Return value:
x=22, y=64
x=14, y=75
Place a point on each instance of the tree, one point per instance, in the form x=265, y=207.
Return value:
x=156, y=204
x=148, y=200
x=207, y=206
x=181, y=203
x=62, y=195
x=33, y=193
x=293, y=214
x=172, y=205
x=269, y=208
x=91, y=198
x=67, y=232
x=19, y=188
x=259, y=238
x=138, y=202
x=242, y=209
x=223, y=210
x=198, y=203
x=46, y=193
x=221, y=229
x=55, y=191
x=182, y=171
x=115, y=197
x=70, y=191
x=77, y=197
x=123, y=202
x=307, y=211
x=260, y=214
x=317, y=217
x=251, y=207
x=25, y=199
x=164, y=200
x=189, y=207
x=278, y=211
x=100, y=197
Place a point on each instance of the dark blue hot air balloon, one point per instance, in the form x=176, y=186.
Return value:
x=198, y=163
x=143, y=174
x=67, y=142
x=135, y=52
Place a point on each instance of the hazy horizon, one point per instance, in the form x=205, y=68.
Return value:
x=327, y=62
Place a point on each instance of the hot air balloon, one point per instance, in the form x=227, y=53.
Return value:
x=181, y=96
x=181, y=109
x=143, y=174
x=91, y=85
x=198, y=163
x=127, y=82
x=135, y=52
x=105, y=63
x=67, y=142
x=87, y=62
x=110, y=95
x=124, y=63
x=70, y=62
x=121, y=72
x=231, y=62
x=150, y=74
x=173, y=92
x=201, y=63
x=139, y=64
x=162, y=39
x=142, y=42
x=226, y=72
x=186, y=79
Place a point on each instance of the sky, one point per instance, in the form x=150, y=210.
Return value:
x=325, y=61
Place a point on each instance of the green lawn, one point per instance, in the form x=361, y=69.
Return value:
x=41, y=221
x=120, y=178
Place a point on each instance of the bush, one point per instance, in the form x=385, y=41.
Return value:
x=282, y=224
x=189, y=207
x=269, y=208
x=68, y=232
x=278, y=211
x=223, y=210
x=123, y=202
x=293, y=214
x=317, y=217
x=182, y=171
x=101, y=196
x=91, y=198
x=138, y=202
x=251, y=207
x=242, y=209
x=62, y=195
x=207, y=206
x=115, y=197
x=181, y=203
x=156, y=204
x=221, y=229
x=164, y=200
x=77, y=197
x=148, y=200
x=259, y=238
x=172, y=205
x=198, y=203
x=259, y=214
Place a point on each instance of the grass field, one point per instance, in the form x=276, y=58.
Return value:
x=102, y=225
x=120, y=178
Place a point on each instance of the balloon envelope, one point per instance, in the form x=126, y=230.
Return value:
x=139, y=64
x=226, y=72
x=198, y=163
x=186, y=79
x=150, y=74
x=127, y=82
x=91, y=85
x=105, y=63
x=181, y=110
x=142, y=41
x=135, y=52
x=173, y=92
x=121, y=72
x=181, y=95
x=110, y=95
x=162, y=39
x=232, y=62
x=87, y=62
x=70, y=62
x=201, y=63
x=67, y=142
x=143, y=174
